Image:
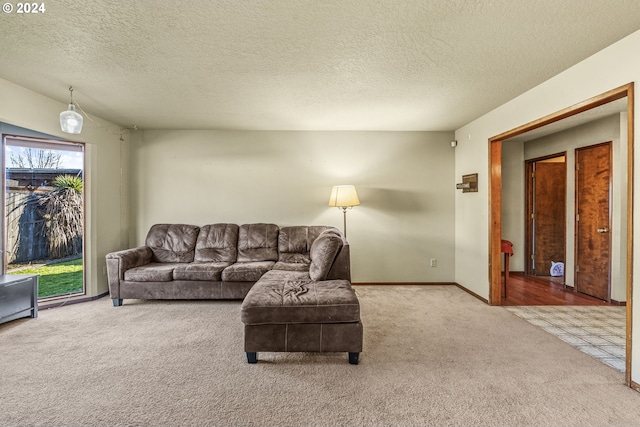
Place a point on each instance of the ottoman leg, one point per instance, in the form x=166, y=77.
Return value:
x=252, y=357
x=353, y=358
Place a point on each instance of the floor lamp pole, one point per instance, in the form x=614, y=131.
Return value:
x=344, y=212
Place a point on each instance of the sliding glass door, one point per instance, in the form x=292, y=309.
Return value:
x=44, y=213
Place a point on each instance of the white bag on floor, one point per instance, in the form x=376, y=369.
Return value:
x=557, y=269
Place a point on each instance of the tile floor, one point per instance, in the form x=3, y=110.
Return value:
x=596, y=330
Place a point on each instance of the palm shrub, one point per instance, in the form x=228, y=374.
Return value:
x=62, y=210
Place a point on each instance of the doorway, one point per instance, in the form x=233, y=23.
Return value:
x=625, y=92
x=43, y=229
x=545, y=240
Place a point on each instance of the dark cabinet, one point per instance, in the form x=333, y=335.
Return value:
x=18, y=296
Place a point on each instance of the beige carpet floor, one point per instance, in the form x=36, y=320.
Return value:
x=433, y=356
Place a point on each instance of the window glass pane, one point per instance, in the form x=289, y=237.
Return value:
x=44, y=213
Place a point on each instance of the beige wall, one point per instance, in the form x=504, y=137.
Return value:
x=513, y=206
x=404, y=179
x=106, y=173
x=612, y=67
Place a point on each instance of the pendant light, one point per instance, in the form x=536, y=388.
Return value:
x=70, y=120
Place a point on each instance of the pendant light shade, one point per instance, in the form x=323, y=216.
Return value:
x=70, y=120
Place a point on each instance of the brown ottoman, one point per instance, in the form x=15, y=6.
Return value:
x=286, y=311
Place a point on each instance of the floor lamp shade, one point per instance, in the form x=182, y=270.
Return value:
x=344, y=197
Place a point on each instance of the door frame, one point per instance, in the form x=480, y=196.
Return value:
x=529, y=208
x=495, y=198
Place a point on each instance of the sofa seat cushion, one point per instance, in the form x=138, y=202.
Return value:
x=292, y=266
x=153, y=272
x=200, y=271
x=246, y=271
x=290, y=301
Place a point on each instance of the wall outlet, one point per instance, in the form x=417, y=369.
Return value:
x=433, y=262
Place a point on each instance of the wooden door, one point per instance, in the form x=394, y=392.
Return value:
x=593, y=207
x=549, y=213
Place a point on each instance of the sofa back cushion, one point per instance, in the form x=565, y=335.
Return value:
x=258, y=242
x=323, y=252
x=294, y=243
x=172, y=242
x=217, y=243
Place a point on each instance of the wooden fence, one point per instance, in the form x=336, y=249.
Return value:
x=26, y=234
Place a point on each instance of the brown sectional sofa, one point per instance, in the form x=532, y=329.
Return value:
x=296, y=280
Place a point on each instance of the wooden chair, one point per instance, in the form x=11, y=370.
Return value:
x=507, y=249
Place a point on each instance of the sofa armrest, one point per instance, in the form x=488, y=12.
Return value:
x=121, y=261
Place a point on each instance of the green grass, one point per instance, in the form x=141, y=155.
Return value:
x=56, y=279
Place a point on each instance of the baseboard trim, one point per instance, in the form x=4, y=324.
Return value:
x=404, y=283
x=59, y=303
x=473, y=294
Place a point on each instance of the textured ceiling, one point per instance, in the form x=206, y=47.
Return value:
x=302, y=64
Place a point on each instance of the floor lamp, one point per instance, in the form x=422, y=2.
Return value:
x=344, y=197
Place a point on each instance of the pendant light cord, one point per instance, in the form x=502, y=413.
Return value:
x=123, y=131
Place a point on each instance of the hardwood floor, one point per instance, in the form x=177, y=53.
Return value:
x=544, y=290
